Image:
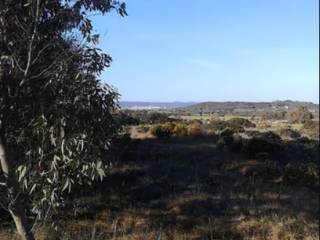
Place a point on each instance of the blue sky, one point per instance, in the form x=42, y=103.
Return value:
x=213, y=50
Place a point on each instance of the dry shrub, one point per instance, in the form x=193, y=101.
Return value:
x=169, y=126
x=311, y=128
x=289, y=133
x=143, y=128
x=160, y=131
x=195, y=130
x=180, y=130
x=263, y=125
x=242, y=122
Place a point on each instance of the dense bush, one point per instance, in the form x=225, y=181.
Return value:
x=270, y=137
x=252, y=133
x=311, y=124
x=169, y=126
x=227, y=135
x=180, y=130
x=302, y=174
x=230, y=140
x=311, y=129
x=300, y=115
x=263, y=143
x=143, y=128
x=221, y=125
x=236, y=144
x=126, y=119
x=289, y=133
x=194, y=130
x=241, y=122
x=279, y=115
x=161, y=131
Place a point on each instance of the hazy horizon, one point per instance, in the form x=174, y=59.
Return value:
x=212, y=101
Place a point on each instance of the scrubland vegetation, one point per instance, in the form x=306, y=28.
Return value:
x=74, y=165
x=196, y=179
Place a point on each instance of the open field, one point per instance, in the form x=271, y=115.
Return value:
x=194, y=178
x=188, y=188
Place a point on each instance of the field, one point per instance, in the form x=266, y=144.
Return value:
x=192, y=187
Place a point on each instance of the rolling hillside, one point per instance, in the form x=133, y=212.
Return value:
x=249, y=106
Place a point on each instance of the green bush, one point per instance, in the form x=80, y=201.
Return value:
x=143, y=128
x=289, y=133
x=270, y=137
x=221, y=125
x=161, y=131
x=227, y=135
x=236, y=144
x=230, y=140
x=264, y=143
x=180, y=130
x=241, y=122
x=169, y=126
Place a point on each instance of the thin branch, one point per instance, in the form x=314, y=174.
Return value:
x=32, y=41
x=40, y=52
x=17, y=63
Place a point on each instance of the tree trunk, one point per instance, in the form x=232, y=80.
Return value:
x=15, y=206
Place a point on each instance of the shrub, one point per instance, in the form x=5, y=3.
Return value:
x=160, y=131
x=270, y=137
x=230, y=140
x=236, y=144
x=300, y=115
x=252, y=133
x=215, y=116
x=242, y=122
x=221, y=143
x=311, y=125
x=195, y=130
x=289, y=133
x=211, y=133
x=180, y=130
x=227, y=136
x=263, y=125
x=169, y=126
x=143, y=128
x=221, y=125
x=237, y=128
x=266, y=142
x=312, y=129
x=257, y=146
x=302, y=174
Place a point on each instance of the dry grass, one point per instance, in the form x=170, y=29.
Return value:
x=187, y=189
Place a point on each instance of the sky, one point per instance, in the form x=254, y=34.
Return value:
x=213, y=50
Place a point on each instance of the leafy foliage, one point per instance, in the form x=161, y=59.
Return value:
x=242, y=122
x=56, y=117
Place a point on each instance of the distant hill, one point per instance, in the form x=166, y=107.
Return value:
x=153, y=105
x=249, y=106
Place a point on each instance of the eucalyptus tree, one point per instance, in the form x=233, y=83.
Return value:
x=56, y=117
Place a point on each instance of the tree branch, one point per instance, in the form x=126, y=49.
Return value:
x=30, y=51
